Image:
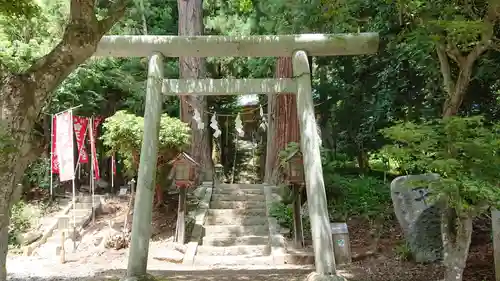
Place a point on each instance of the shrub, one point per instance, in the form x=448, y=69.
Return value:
x=284, y=215
x=38, y=173
x=360, y=196
x=19, y=222
x=123, y=133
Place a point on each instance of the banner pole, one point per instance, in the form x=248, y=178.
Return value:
x=51, y=154
x=92, y=183
x=73, y=186
x=71, y=108
x=79, y=153
x=113, y=159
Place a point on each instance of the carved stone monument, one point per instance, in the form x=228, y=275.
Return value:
x=419, y=218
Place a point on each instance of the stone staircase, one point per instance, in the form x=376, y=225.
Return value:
x=236, y=229
x=82, y=215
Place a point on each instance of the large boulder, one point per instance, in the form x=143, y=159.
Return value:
x=419, y=218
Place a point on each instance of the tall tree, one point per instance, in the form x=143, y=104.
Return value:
x=461, y=32
x=191, y=23
x=284, y=123
x=23, y=94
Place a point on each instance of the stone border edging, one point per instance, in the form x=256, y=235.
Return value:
x=28, y=250
x=276, y=239
x=199, y=217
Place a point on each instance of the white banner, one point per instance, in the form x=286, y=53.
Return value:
x=64, y=148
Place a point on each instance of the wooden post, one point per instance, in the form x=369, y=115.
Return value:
x=495, y=224
x=181, y=217
x=143, y=207
x=297, y=218
x=62, y=251
x=313, y=172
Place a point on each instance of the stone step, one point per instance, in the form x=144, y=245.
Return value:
x=224, y=241
x=237, y=212
x=79, y=212
x=81, y=216
x=88, y=199
x=86, y=205
x=237, y=192
x=299, y=256
x=55, y=238
x=253, y=250
x=236, y=230
x=239, y=186
x=235, y=220
x=239, y=197
x=237, y=204
x=233, y=261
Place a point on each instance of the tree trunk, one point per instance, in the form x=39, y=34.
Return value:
x=455, y=98
x=191, y=23
x=23, y=95
x=456, y=89
x=283, y=123
x=456, y=233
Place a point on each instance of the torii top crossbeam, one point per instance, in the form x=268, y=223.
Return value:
x=238, y=46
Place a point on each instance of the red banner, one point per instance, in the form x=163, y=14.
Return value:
x=93, y=138
x=80, y=125
x=113, y=164
x=55, y=163
x=64, y=146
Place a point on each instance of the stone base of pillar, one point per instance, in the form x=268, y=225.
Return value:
x=313, y=276
x=147, y=277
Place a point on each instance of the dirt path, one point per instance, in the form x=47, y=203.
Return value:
x=92, y=262
x=229, y=275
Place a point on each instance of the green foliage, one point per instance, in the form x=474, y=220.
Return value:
x=360, y=196
x=455, y=23
x=20, y=222
x=464, y=151
x=18, y=8
x=38, y=173
x=27, y=38
x=123, y=133
x=283, y=214
x=7, y=143
x=403, y=251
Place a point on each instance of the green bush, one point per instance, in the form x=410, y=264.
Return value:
x=284, y=215
x=348, y=195
x=403, y=252
x=19, y=222
x=38, y=173
x=360, y=196
x=463, y=151
x=123, y=133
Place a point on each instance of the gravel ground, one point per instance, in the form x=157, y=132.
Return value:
x=112, y=267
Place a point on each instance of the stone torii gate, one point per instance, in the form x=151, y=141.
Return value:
x=299, y=46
